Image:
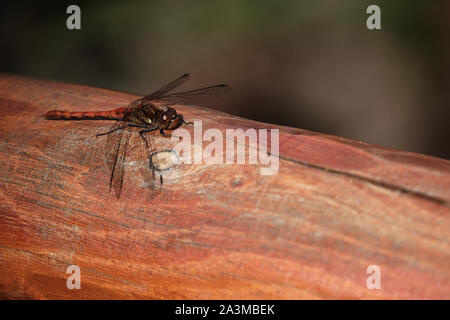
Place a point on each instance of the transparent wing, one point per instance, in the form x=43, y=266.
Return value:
x=194, y=97
x=153, y=181
x=115, y=155
x=124, y=146
x=168, y=87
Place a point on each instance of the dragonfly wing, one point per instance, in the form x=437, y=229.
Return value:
x=151, y=178
x=116, y=150
x=125, y=146
x=197, y=97
x=168, y=87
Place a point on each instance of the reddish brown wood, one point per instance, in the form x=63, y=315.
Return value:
x=217, y=231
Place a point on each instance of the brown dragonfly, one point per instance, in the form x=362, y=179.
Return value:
x=150, y=113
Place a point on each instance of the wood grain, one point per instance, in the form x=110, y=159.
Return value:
x=335, y=207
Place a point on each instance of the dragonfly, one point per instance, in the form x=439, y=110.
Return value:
x=153, y=112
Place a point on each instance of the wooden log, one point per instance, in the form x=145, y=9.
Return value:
x=214, y=231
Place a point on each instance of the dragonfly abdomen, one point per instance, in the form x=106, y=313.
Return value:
x=116, y=114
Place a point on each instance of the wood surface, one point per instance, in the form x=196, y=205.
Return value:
x=335, y=207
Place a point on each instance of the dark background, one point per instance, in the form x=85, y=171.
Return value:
x=308, y=64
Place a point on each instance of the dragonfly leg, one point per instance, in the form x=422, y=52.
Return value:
x=120, y=128
x=141, y=133
x=164, y=134
x=187, y=123
x=168, y=135
x=111, y=131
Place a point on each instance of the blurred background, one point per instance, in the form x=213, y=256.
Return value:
x=307, y=64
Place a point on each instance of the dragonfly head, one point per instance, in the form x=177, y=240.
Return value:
x=170, y=119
